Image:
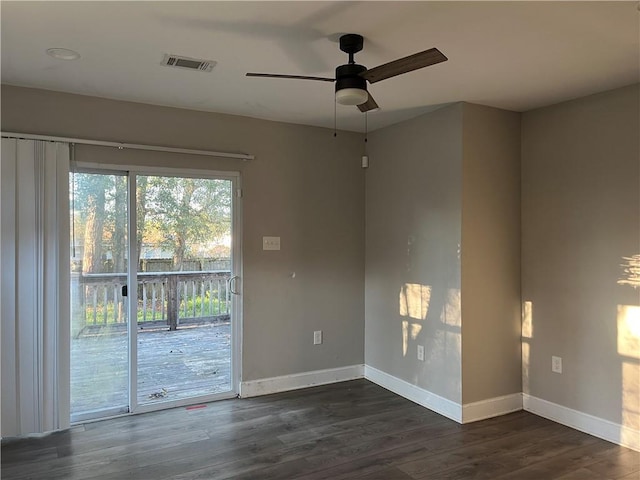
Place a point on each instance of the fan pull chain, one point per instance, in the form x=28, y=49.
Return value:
x=335, y=121
x=365, y=157
x=366, y=130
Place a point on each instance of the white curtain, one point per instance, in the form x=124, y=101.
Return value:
x=34, y=286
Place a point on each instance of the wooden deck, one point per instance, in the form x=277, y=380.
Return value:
x=191, y=361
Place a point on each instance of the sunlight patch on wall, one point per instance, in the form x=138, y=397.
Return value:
x=629, y=331
x=447, y=348
x=629, y=348
x=414, y=300
x=527, y=323
x=527, y=334
x=409, y=330
x=630, y=271
x=413, y=303
x=452, y=311
x=526, y=349
x=631, y=396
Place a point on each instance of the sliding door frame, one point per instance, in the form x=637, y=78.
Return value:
x=132, y=173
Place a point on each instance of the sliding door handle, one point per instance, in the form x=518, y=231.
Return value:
x=233, y=284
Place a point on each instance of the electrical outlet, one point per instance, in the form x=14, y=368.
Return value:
x=556, y=364
x=421, y=353
x=317, y=337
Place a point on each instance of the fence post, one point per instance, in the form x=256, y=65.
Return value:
x=173, y=302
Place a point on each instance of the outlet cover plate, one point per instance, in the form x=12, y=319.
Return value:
x=556, y=364
x=421, y=353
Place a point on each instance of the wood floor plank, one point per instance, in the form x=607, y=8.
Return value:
x=618, y=465
x=583, y=474
x=564, y=464
x=350, y=430
x=386, y=474
x=490, y=459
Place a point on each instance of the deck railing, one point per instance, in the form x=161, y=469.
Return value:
x=169, y=298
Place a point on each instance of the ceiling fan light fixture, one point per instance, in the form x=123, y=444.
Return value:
x=351, y=96
x=351, y=78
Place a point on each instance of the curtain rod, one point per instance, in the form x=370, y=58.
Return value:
x=134, y=146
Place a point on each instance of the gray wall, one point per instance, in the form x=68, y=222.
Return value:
x=304, y=186
x=413, y=228
x=442, y=265
x=490, y=253
x=581, y=218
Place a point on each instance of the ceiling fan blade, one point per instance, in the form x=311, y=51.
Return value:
x=296, y=77
x=369, y=105
x=404, y=65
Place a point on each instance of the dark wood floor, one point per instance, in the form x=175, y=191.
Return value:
x=351, y=430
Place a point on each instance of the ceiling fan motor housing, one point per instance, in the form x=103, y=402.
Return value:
x=348, y=76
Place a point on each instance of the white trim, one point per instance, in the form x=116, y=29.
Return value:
x=62, y=378
x=598, y=427
x=132, y=288
x=132, y=173
x=124, y=169
x=134, y=146
x=491, y=407
x=119, y=412
x=183, y=402
x=237, y=300
x=414, y=393
x=266, y=386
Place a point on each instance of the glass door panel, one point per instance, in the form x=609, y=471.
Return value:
x=99, y=255
x=184, y=234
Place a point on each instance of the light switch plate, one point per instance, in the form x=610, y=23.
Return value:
x=270, y=243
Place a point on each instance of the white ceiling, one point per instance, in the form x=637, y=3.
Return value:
x=511, y=55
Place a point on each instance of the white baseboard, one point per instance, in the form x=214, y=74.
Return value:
x=265, y=386
x=416, y=394
x=492, y=407
x=598, y=427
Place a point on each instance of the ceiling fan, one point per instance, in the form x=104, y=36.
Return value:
x=351, y=78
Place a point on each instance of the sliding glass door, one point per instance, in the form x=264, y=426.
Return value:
x=180, y=287
x=99, y=323
x=184, y=300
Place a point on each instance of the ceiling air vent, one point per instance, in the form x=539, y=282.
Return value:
x=189, y=63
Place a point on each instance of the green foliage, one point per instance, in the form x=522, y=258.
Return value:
x=184, y=214
x=185, y=217
x=205, y=306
